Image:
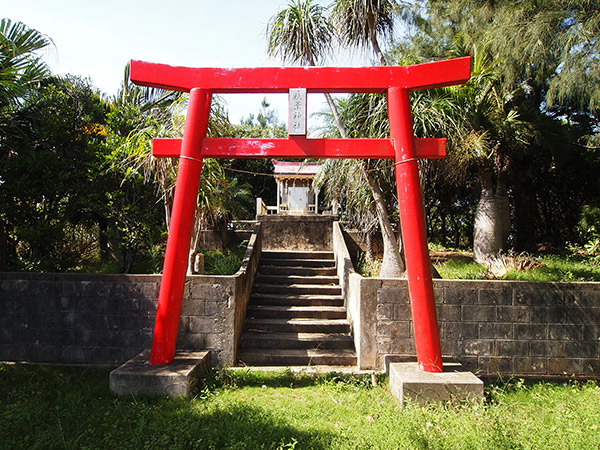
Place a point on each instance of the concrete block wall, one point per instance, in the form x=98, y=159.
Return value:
x=302, y=232
x=207, y=317
x=108, y=319
x=501, y=327
x=76, y=318
x=244, y=281
x=511, y=328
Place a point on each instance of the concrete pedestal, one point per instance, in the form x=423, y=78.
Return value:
x=138, y=377
x=455, y=384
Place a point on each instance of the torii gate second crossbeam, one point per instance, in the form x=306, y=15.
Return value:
x=402, y=147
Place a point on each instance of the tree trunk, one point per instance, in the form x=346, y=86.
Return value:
x=525, y=213
x=103, y=240
x=487, y=239
x=369, y=243
x=373, y=38
x=166, y=204
x=336, y=116
x=443, y=237
x=224, y=237
x=392, y=265
x=503, y=205
x=194, y=242
x=5, y=247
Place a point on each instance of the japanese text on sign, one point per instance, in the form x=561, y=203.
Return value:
x=297, y=112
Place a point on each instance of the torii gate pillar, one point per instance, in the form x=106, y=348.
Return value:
x=402, y=147
x=182, y=224
x=414, y=238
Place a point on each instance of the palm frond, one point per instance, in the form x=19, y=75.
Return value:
x=300, y=33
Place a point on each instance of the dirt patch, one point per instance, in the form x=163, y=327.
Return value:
x=441, y=256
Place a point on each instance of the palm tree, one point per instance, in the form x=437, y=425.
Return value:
x=156, y=113
x=360, y=22
x=150, y=113
x=139, y=115
x=302, y=34
x=220, y=199
x=489, y=132
x=21, y=68
x=357, y=184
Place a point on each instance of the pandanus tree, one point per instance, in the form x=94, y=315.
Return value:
x=484, y=132
x=360, y=23
x=301, y=33
x=138, y=115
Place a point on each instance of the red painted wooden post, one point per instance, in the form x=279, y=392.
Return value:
x=182, y=222
x=414, y=237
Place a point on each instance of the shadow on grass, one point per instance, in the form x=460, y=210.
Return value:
x=59, y=407
x=281, y=379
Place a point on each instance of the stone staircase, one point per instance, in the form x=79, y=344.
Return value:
x=296, y=314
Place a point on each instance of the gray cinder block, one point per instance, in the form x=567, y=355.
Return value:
x=455, y=384
x=138, y=377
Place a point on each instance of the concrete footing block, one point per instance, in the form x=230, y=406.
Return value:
x=454, y=385
x=138, y=377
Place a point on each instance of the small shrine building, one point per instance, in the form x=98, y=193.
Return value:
x=295, y=192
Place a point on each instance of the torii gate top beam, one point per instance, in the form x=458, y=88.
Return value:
x=314, y=79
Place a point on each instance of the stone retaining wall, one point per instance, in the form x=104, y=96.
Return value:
x=512, y=328
x=107, y=319
x=492, y=327
x=500, y=327
x=302, y=232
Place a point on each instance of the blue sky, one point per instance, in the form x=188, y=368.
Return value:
x=96, y=39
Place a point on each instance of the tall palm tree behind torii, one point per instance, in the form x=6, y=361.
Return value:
x=302, y=34
x=360, y=22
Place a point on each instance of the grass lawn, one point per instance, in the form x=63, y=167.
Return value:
x=559, y=267
x=45, y=407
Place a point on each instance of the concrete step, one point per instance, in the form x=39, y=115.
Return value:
x=294, y=289
x=297, y=279
x=290, y=312
x=293, y=357
x=297, y=270
x=256, y=340
x=297, y=325
x=296, y=299
x=285, y=254
x=296, y=314
x=297, y=262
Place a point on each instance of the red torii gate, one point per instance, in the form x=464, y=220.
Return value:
x=402, y=147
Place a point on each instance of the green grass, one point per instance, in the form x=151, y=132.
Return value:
x=460, y=269
x=219, y=263
x=554, y=268
x=69, y=408
x=560, y=268
x=571, y=264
